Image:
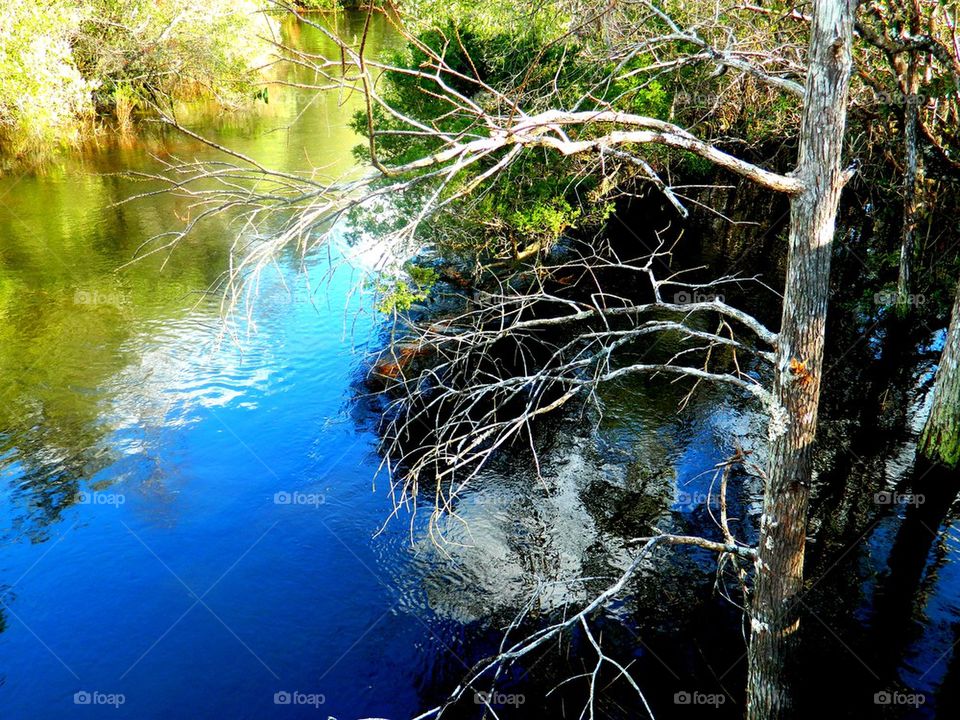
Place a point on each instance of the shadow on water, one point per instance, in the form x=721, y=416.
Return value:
x=880, y=607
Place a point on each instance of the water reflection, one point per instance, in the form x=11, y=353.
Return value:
x=79, y=339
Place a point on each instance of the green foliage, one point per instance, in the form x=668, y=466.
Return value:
x=173, y=47
x=318, y=4
x=401, y=294
x=43, y=96
x=696, y=166
x=527, y=53
x=492, y=19
x=63, y=60
x=549, y=219
x=330, y=5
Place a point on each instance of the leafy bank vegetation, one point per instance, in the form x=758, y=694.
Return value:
x=66, y=64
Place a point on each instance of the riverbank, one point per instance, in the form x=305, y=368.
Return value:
x=76, y=71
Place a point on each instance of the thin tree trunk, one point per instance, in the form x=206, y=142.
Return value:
x=911, y=112
x=783, y=527
x=912, y=175
x=940, y=440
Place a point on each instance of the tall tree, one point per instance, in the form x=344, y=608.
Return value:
x=919, y=44
x=911, y=177
x=799, y=368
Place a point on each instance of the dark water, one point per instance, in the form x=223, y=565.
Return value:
x=188, y=525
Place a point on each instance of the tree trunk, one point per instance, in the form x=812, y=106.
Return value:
x=940, y=440
x=779, y=568
x=911, y=112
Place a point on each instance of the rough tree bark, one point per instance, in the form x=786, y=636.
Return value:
x=783, y=529
x=911, y=112
x=911, y=121
x=940, y=440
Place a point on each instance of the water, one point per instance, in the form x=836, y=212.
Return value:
x=147, y=550
x=188, y=523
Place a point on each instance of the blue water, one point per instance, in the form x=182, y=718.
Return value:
x=187, y=517
x=182, y=585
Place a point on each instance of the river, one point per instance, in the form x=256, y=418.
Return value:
x=189, y=517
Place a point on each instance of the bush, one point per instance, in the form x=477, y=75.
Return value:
x=62, y=61
x=171, y=48
x=43, y=95
x=527, y=52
